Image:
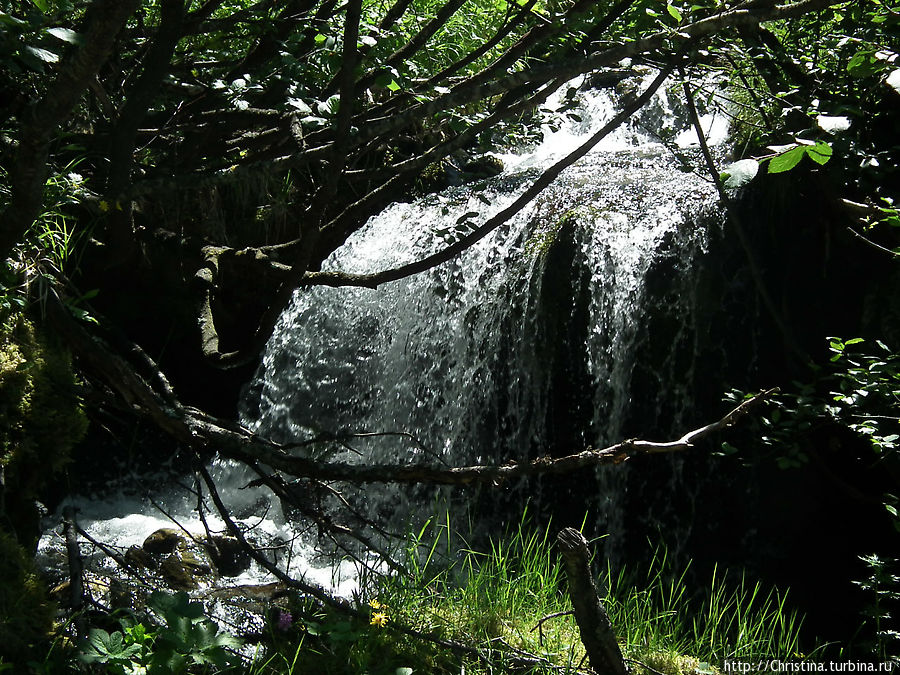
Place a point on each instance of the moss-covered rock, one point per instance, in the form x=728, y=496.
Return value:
x=41, y=419
x=164, y=540
x=26, y=613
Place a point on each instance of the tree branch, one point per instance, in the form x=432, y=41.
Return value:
x=375, y=279
x=29, y=172
x=246, y=450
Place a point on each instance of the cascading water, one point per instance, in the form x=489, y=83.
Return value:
x=466, y=358
x=523, y=345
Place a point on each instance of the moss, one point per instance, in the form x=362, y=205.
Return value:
x=434, y=177
x=26, y=614
x=41, y=418
x=673, y=663
x=542, y=239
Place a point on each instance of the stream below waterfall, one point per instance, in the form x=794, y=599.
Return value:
x=523, y=346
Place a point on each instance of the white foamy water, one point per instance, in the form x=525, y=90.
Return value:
x=459, y=357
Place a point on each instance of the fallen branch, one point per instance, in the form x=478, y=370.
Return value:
x=597, y=634
x=76, y=570
x=278, y=459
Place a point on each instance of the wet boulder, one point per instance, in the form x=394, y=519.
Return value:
x=139, y=558
x=176, y=575
x=163, y=541
x=227, y=555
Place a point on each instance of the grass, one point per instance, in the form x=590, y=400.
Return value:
x=504, y=608
x=508, y=600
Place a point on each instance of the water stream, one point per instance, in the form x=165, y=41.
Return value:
x=522, y=346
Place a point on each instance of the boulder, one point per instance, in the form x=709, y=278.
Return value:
x=139, y=558
x=163, y=541
x=227, y=555
x=177, y=575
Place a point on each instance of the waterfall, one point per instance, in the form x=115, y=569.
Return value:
x=470, y=359
x=522, y=346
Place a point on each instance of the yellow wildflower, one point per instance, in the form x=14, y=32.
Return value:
x=379, y=619
x=104, y=205
x=374, y=604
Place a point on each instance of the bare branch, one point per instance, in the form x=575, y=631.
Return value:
x=105, y=20
x=546, y=178
x=277, y=458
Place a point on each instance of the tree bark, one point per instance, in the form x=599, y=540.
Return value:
x=29, y=172
x=597, y=633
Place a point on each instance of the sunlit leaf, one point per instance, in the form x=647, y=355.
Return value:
x=833, y=124
x=787, y=160
x=42, y=54
x=820, y=153
x=893, y=80
x=740, y=173
x=66, y=35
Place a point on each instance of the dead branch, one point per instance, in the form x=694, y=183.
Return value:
x=200, y=432
x=546, y=178
x=76, y=569
x=597, y=634
x=277, y=458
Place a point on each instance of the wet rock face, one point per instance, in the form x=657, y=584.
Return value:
x=228, y=556
x=139, y=558
x=178, y=574
x=163, y=541
x=184, y=562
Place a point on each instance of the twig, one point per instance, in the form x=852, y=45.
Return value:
x=879, y=247
x=644, y=665
x=753, y=264
x=119, y=560
x=539, y=626
x=76, y=569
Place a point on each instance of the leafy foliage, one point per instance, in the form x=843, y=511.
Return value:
x=188, y=640
x=882, y=586
x=26, y=613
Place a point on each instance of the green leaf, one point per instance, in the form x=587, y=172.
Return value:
x=42, y=5
x=673, y=12
x=393, y=86
x=403, y=671
x=42, y=54
x=863, y=64
x=786, y=160
x=175, y=606
x=740, y=173
x=728, y=448
x=11, y=20
x=820, y=153
x=66, y=35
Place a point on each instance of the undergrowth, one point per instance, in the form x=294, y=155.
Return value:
x=498, y=608
x=507, y=603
